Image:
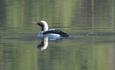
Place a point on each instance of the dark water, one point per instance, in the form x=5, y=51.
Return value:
x=84, y=50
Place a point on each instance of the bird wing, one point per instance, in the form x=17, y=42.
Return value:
x=56, y=31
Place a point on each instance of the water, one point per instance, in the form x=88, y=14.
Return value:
x=89, y=22
x=84, y=50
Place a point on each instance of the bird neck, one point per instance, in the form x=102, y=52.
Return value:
x=45, y=27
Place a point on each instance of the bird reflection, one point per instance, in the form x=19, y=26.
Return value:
x=43, y=44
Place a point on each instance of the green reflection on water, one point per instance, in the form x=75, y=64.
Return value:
x=87, y=53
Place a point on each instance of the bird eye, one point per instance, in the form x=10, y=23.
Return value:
x=39, y=23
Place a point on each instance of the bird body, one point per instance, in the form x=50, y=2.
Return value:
x=52, y=34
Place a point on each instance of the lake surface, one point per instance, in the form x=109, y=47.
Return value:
x=84, y=50
x=90, y=23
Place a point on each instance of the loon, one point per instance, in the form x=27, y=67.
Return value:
x=52, y=34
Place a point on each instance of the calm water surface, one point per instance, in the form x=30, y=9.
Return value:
x=84, y=50
x=91, y=26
